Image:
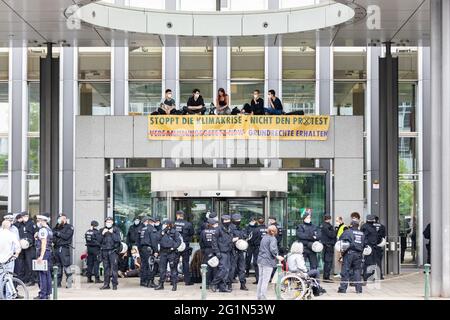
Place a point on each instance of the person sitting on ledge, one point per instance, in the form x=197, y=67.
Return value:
x=222, y=103
x=168, y=105
x=256, y=106
x=195, y=104
x=275, y=105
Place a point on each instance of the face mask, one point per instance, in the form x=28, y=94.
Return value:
x=109, y=225
x=226, y=224
x=255, y=96
x=136, y=222
x=307, y=220
x=39, y=224
x=164, y=226
x=260, y=222
x=237, y=222
x=271, y=222
x=156, y=224
x=59, y=220
x=252, y=223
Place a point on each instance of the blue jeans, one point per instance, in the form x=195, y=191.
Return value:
x=273, y=111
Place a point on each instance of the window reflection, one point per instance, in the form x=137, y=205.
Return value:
x=350, y=62
x=247, y=63
x=145, y=63
x=299, y=96
x=242, y=91
x=4, y=64
x=95, y=99
x=407, y=107
x=144, y=97
x=299, y=63
x=349, y=98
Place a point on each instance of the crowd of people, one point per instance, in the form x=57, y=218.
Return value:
x=152, y=250
x=196, y=105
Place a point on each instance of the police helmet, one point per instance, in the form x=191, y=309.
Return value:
x=213, y=262
x=182, y=247
x=241, y=244
x=123, y=248
x=341, y=246
x=382, y=243
x=367, y=251
x=94, y=223
x=24, y=244
x=317, y=247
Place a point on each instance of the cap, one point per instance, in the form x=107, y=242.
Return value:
x=252, y=219
x=212, y=221
x=236, y=217
x=43, y=216
x=145, y=219
x=212, y=215
x=157, y=218
x=109, y=219
x=8, y=216
x=152, y=219
x=226, y=217
x=25, y=213
x=94, y=223
x=272, y=218
x=167, y=221
x=62, y=215
x=354, y=223
x=180, y=212
x=370, y=218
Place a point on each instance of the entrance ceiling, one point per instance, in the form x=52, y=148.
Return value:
x=405, y=22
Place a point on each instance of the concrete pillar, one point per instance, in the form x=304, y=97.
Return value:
x=18, y=106
x=222, y=56
x=436, y=142
x=273, y=56
x=171, y=60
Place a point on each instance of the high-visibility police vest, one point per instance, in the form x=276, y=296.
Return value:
x=341, y=230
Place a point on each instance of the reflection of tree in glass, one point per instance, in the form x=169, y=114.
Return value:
x=406, y=199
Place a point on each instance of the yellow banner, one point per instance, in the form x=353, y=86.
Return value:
x=240, y=127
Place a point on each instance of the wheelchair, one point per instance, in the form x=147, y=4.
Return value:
x=298, y=286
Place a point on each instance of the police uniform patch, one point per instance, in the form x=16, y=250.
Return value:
x=43, y=233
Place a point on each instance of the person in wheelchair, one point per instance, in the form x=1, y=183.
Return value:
x=296, y=264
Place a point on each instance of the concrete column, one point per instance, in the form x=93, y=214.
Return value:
x=221, y=65
x=436, y=142
x=273, y=56
x=68, y=106
x=18, y=106
x=171, y=60
x=119, y=83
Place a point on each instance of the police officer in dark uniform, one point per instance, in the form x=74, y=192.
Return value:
x=222, y=246
x=157, y=224
x=352, y=258
x=249, y=254
x=206, y=247
x=237, y=256
x=328, y=239
x=109, y=246
x=133, y=235
x=30, y=229
x=148, y=247
x=43, y=238
x=379, y=251
x=255, y=239
x=170, y=240
x=62, y=240
x=92, y=237
x=371, y=236
x=205, y=223
x=186, y=230
x=307, y=233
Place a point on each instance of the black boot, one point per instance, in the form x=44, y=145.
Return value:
x=160, y=286
x=243, y=287
x=97, y=280
x=151, y=284
x=174, y=287
x=89, y=280
x=105, y=287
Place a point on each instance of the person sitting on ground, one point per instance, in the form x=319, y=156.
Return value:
x=275, y=105
x=133, y=273
x=168, y=105
x=256, y=106
x=195, y=104
x=195, y=267
x=296, y=264
x=222, y=103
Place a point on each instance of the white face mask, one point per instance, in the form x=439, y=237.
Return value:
x=136, y=222
x=39, y=224
x=255, y=96
x=252, y=223
x=109, y=225
x=60, y=220
x=164, y=226
x=157, y=224
x=307, y=220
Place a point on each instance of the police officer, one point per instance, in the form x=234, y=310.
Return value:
x=133, y=235
x=205, y=223
x=371, y=236
x=29, y=229
x=255, y=239
x=43, y=239
x=237, y=256
x=109, y=246
x=186, y=230
x=307, y=233
x=379, y=251
x=328, y=239
x=62, y=240
x=170, y=240
x=206, y=247
x=92, y=237
x=222, y=246
x=157, y=224
x=352, y=257
x=148, y=247
x=249, y=254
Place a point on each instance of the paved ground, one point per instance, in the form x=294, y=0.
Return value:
x=409, y=286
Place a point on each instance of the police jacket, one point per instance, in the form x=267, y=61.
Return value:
x=92, y=238
x=186, y=230
x=356, y=239
x=238, y=232
x=249, y=231
x=110, y=240
x=170, y=239
x=44, y=233
x=206, y=237
x=149, y=237
x=381, y=231
x=133, y=234
x=223, y=240
x=307, y=233
x=257, y=234
x=327, y=234
x=63, y=235
x=370, y=234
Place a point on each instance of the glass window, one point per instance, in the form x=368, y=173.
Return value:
x=299, y=63
x=196, y=62
x=408, y=207
x=4, y=64
x=4, y=108
x=4, y=193
x=242, y=91
x=94, y=63
x=33, y=194
x=407, y=106
x=33, y=155
x=145, y=63
x=296, y=3
x=34, y=63
x=407, y=62
x=350, y=62
x=247, y=63
x=407, y=155
x=33, y=106
x=186, y=88
x=299, y=96
x=247, y=5
x=144, y=97
x=95, y=98
x=349, y=98
x=4, y=147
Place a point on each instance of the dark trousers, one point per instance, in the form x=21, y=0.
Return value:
x=45, y=278
x=145, y=253
x=93, y=262
x=255, y=262
x=328, y=256
x=379, y=253
x=223, y=270
x=111, y=265
x=210, y=272
x=428, y=246
x=185, y=255
x=310, y=256
x=171, y=259
x=162, y=112
x=248, y=258
x=369, y=262
x=237, y=261
x=24, y=265
x=186, y=110
x=351, y=265
x=63, y=261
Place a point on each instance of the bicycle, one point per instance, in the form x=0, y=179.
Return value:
x=11, y=287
